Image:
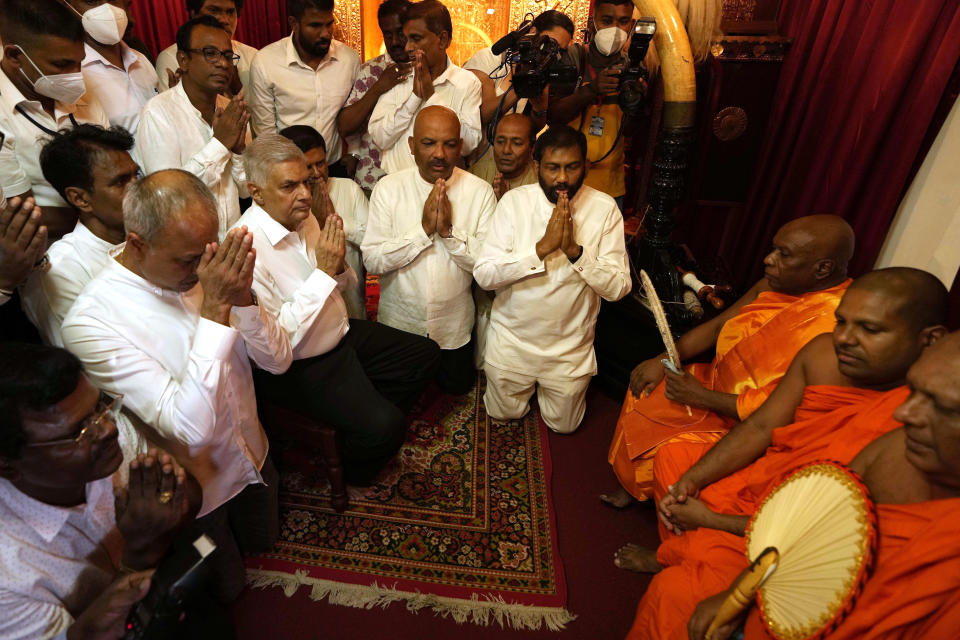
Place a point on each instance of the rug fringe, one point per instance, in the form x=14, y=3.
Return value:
x=475, y=610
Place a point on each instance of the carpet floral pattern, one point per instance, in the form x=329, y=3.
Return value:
x=461, y=517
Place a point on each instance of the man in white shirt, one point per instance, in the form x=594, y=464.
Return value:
x=121, y=78
x=425, y=230
x=91, y=168
x=172, y=325
x=195, y=128
x=354, y=375
x=41, y=91
x=67, y=548
x=340, y=196
x=304, y=78
x=553, y=251
x=228, y=13
x=435, y=80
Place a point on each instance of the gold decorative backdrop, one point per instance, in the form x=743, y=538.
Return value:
x=476, y=24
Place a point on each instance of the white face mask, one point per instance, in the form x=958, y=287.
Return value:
x=106, y=24
x=62, y=87
x=609, y=40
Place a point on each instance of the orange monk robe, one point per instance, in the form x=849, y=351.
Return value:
x=914, y=590
x=705, y=561
x=754, y=350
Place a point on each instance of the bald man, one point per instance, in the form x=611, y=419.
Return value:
x=838, y=395
x=913, y=475
x=507, y=164
x=755, y=339
x=424, y=232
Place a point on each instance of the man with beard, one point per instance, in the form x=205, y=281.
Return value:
x=426, y=226
x=376, y=77
x=304, y=78
x=553, y=250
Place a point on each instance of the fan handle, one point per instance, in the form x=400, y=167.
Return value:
x=745, y=588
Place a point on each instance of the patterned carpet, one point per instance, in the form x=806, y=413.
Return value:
x=460, y=522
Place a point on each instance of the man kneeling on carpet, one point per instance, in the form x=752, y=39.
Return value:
x=552, y=251
x=73, y=561
x=357, y=376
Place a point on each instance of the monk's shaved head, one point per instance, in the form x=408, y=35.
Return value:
x=920, y=297
x=810, y=254
x=436, y=143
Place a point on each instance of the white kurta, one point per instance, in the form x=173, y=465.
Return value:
x=545, y=311
x=173, y=135
x=305, y=301
x=47, y=296
x=392, y=120
x=352, y=206
x=425, y=280
x=187, y=378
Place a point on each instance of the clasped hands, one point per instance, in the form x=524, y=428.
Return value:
x=230, y=124
x=23, y=241
x=331, y=247
x=226, y=274
x=680, y=510
x=559, y=233
x=437, y=211
x=422, y=80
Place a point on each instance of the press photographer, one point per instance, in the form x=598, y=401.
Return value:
x=594, y=108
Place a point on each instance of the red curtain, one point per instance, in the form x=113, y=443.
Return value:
x=854, y=104
x=156, y=22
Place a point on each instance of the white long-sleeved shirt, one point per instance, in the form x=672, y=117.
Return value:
x=286, y=91
x=186, y=377
x=545, y=311
x=121, y=91
x=425, y=280
x=54, y=561
x=392, y=120
x=352, y=206
x=167, y=59
x=25, y=128
x=173, y=135
x=306, y=302
x=46, y=296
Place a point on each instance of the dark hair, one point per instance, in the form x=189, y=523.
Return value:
x=25, y=18
x=433, y=13
x=194, y=6
x=552, y=18
x=393, y=8
x=296, y=8
x=616, y=3
x=561, y=137
x=185, y=32
x=305, y=137
x=67, y=159
x=32, y=376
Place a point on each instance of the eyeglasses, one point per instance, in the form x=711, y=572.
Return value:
x=213, y=55
x=107, y=408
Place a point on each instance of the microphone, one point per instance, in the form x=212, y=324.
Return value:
x=509, y=41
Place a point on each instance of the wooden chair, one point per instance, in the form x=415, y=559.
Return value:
x=299, y=428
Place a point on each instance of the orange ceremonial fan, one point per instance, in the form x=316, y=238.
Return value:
x=822, y=524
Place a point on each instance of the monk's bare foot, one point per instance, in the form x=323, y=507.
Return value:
x=633, y=557
x=618, y=499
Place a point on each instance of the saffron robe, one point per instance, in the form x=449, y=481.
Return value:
x=703, y=562
x=754, y=350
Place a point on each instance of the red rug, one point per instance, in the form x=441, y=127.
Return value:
x=460, y=522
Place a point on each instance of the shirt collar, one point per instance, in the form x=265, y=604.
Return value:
x=83, y=235
x=273, y=230
x=10, y=92
x=46, y=519
x=120, y=272
x=92, y=56
x=447, y=72
x=293, y=57
x=452, y=180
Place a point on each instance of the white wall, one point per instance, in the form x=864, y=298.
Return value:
x=926, y=230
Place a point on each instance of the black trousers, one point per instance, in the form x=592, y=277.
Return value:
x=362, y=388
x=457, y=373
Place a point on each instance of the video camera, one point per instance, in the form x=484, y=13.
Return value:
x=632, y=91
x=537, y=62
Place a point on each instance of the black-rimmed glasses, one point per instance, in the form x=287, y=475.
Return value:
x=213, y=55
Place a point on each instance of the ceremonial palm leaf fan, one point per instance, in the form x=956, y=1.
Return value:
x=814, y=539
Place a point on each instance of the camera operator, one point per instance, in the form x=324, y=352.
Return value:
x=554, y=24
x=593, y=108
x=73, y=557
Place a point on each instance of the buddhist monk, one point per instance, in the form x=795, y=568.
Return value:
x=913, y=474
x=908, y=308
x=755, y=341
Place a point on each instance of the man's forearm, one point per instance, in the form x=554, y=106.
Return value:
x=744, y=444
x=719, y=402
x=737, y=525
x=351, y=119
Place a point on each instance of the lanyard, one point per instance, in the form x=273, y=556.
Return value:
x=593, y=74
x=40, y=126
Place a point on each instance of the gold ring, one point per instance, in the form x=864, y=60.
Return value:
x=165, y=497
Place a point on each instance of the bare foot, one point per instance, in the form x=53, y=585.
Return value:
x=618, y=499
x=633, y=557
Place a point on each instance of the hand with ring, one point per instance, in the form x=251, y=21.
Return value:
x=152, y=508
x=392, y=75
